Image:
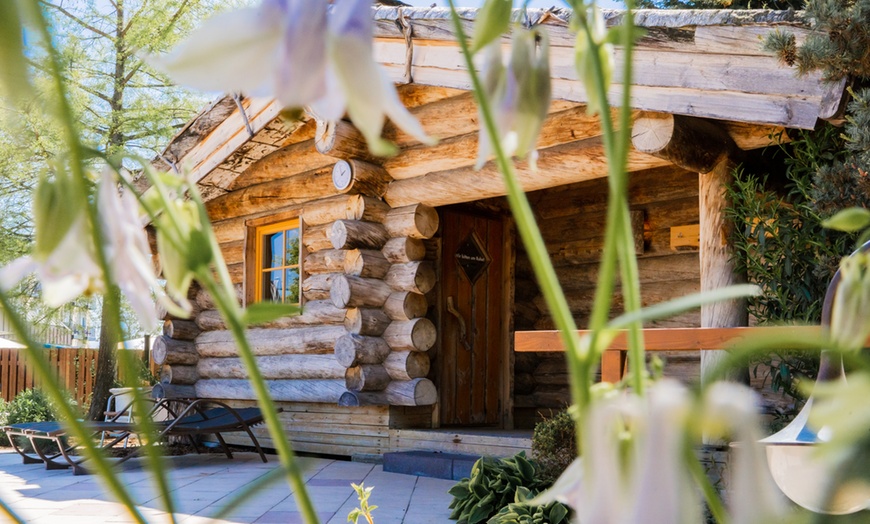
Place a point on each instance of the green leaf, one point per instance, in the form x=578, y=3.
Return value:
x=263, y=312
x=13, y=74
x=460, y=490
x=492, y=21
x=557, y=513
x=479, y=514
x=849, y=220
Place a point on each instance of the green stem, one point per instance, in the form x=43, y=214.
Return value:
x=709, y=492
x=579, y=357
x=232, y=316
x=69, y=417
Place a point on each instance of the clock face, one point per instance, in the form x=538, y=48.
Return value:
x=341, y=175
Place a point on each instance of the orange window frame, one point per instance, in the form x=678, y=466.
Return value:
x=260, y=266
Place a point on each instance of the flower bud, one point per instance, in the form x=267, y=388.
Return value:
x=851, y=308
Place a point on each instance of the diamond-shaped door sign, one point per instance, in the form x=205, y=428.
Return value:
x=472, y=258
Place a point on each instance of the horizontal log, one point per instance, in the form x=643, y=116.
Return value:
x=325, y=261
x=180, y=329
x=366, y=321
x=344, y=207
x=350, y=234
x=169, y=351
x=323, y=391
x=366, y=378
x=285, y=162
x=405, y=305
x=274, y=367
x=417, y=392
x=415, y=335
x=205, y=301
x=185, y=375
x=315, y=238
x=415, y=221
x=319, y=286
x=400, y=250
x=263, y=341
x=161, y=390
x=407, y=365
x=561, y=126
x=557, y=166
x=268, y=196
x=349, y=291
x=417, y=277
x=314, y=312
x=355, y=176
x=692, y=143
x=341, y=140
x=354, y=350
x=366, y=263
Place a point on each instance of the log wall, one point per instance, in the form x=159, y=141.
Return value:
x=361, y=336
x=572, y=221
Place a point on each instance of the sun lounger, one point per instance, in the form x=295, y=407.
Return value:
x=199, y=417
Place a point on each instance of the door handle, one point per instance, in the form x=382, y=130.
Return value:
x=463, y=332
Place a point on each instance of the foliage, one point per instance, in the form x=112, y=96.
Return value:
x=782, y=246
x=554, y=445
x=492, y=485
x=31, y=405
x=837, y=45
x=364, y=510
x=520, y=512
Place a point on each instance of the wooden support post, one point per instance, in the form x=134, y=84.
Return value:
x=717, y=269
x=418, y=277
x=415, y=221
x=413, y=335
x=405, y=305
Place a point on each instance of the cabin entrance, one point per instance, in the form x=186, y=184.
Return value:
x=474, y=358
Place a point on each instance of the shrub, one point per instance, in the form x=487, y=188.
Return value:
x=31, y=405
x=553, y=445
x=493, y=485
x=520, y=512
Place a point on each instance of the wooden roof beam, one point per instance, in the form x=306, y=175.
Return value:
x=691, y=143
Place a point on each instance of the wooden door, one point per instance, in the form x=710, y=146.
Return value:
x=474, y=348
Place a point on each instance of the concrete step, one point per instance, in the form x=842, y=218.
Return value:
x=435, y=464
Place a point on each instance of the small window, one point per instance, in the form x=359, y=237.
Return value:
x=277, y=262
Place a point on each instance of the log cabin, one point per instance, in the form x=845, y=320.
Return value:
x=408, y=268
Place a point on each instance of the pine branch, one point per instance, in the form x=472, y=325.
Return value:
x=76, y=19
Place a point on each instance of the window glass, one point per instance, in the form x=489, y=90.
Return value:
x=278, y=262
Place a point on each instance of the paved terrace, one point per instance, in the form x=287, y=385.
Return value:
x=202, y=484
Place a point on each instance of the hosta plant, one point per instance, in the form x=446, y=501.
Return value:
x=492, y=485
x=521, y=512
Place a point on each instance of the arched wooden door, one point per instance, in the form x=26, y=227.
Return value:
x=473, y=310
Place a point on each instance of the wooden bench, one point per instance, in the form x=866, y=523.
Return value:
x=656, y=339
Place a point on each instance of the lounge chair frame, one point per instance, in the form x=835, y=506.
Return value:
x=197, y=417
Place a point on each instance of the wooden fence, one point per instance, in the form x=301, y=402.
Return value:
x=73, y=368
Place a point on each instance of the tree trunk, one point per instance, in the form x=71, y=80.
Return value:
x=106, y=364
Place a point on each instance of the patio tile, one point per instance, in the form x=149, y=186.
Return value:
x=201, y=484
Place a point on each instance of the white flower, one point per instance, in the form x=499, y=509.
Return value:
x=128, y=252
x=302, y=52
x=634, y=471
x=64, y=274
x=520, y=94
x=731, y=409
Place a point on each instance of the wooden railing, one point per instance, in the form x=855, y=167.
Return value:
x=73, y=368
x=655, y=339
